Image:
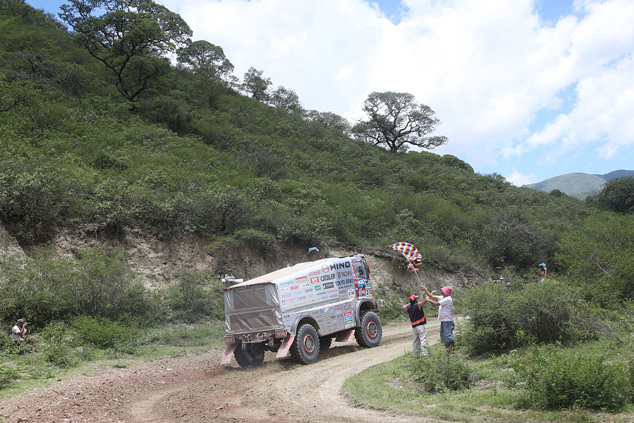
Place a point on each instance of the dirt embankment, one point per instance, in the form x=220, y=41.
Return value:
x=197, y=389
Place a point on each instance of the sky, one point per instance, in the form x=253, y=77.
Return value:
x=527, y=89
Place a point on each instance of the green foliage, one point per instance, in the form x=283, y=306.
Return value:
x=128, y=38
x=7, y=375
x=196, y=295
x=597, y=258
x=104, y=333
x=441, y=372
x=501, y=319
x=98, y=283
x=618, y=195
x=563, y=379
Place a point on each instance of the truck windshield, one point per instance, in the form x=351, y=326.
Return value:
x=361, y=269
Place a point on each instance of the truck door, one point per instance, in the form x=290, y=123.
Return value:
x=361, y=278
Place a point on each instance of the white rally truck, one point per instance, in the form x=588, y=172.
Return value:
x=301, y=309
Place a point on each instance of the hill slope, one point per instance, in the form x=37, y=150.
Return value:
x=578, y=185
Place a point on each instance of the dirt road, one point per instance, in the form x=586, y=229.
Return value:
x=197, y=389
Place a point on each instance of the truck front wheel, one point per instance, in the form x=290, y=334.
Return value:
x=369, y=334
x=251, y=355
x=305, y=348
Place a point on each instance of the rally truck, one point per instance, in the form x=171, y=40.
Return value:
x=301, y=309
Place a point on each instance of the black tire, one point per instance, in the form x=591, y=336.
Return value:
x=252, y=355
x=324, y=343
x=305, y=348
x=369, y=334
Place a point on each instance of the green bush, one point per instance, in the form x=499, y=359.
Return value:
x=104, y=333
x=8, y=347
x=441, y=372
x=196, y=295
x=501, y=319
x=561, y=379
x=47, y=288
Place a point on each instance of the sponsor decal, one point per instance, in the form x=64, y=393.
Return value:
x=344, y=274
x=317, y=287
x=327, y=277
x=326, y=319
x=361, y=282
x=329, y=285
x=334, y=295
x=325, y=297
x=301, y=279
x=345, y=282
x=325, y=268
x=314, y=280
x=347, y=313
x=303, y=297
x=340, y=265
x=294, y=287
x=350, y=293
x=314, y=273
x=285, y=289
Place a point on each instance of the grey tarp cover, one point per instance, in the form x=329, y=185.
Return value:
x=252, y=308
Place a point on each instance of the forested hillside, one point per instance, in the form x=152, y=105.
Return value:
x=120, y=140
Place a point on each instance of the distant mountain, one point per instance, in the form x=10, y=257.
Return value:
x=578, y=185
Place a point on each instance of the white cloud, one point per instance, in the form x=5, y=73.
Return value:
x=519, y=179
x=486, y=67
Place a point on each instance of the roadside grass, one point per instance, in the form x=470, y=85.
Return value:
x=495, y=396
x=22, y=372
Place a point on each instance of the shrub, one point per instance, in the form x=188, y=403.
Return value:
x=104, y=333
x=441, y=372
x=7, y=346
x=194, y=296
x=556, y=379
x=502, y=319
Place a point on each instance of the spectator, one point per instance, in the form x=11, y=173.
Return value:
x=543, y=272
x=445, y=314
x=419, y=329
x=20, y=332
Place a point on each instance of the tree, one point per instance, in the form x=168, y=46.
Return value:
x=205, y=59
x=287, y=100
x=395, y=120
x=256, y=85
x=130, y=38
x=618, y=195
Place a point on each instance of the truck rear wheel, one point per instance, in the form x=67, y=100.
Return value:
x=251, y=355
x=369, y=334
x=305, y=348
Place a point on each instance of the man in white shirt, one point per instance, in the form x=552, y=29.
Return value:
x=20, y=331
x=445, y=314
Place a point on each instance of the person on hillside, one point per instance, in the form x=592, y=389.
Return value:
x=20, y=332
x=419, y=329
x=229, y=278
x=445, y=314
x=543, y=272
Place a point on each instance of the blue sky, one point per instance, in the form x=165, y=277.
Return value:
x=528, y=89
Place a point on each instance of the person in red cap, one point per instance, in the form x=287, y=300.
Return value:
x=445, y=314
x=417, y=317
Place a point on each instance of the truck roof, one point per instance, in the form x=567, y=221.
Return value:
x=287, y=271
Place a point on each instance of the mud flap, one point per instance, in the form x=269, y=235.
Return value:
x=226, y=356
x=286, y=345
x=345, y=336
